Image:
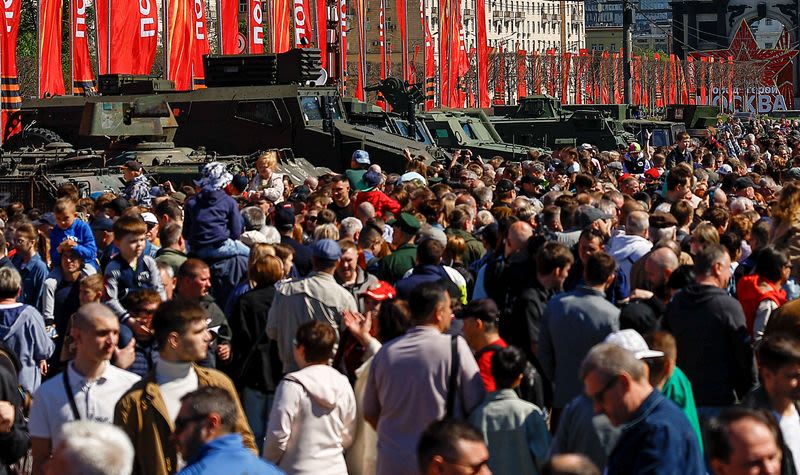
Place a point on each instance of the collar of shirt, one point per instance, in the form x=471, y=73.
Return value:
x=79, y=381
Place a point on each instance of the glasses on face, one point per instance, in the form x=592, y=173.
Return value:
x=21, y=241
x=473, y=468
x=600, y=395
x=182, y=422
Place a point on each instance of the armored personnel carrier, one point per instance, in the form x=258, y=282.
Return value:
x=540, y=121
x=252, y=102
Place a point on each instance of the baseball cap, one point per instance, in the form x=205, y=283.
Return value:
x=504, y=186
x=149, y=218
x=585, y=146
x=652, y=173
x=284, y=218
x=590, y=214
x=614, y=166
x=381, y=291
x=411, y=176
x=118, y=205
x=361, y=157
x=724, y=169
x=632, y=341
x=634, y=147
x=482, y=309
x=326, y=249
x=179, y=196
x=47, y=218
x=428, y=232
x=368, y=181
x=406, y=222
x=743, y=182
x=102, y=224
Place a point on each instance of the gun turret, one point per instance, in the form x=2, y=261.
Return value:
x=403, y=97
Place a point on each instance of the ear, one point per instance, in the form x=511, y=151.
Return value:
x=173, y=340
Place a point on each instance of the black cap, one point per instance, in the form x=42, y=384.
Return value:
x=483, y=309
x=504, y=186
x=284, y=218
x=118, y=205
x=743, y=182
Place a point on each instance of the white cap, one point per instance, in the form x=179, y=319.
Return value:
x=149, y=218
x=632, y=341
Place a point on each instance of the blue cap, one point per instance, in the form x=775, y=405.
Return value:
x=47, y=218
x=326, y=249
x=368, y=181
x=361, y=157
x=102, y=224
x=125, y=336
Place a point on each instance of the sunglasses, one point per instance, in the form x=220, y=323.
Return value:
x=600, y=395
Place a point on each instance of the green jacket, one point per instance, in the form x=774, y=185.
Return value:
x=678, y=389
x=474, y=248
x=142, y=414
x=392, y=267
x=172, y=257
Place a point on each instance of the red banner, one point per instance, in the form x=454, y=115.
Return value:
x=565, y=68
x=536, y=73
x=343, y=45
x=483, y=53
x=82, y=75
x=500, y=82
x=400, y=6
x=522, y=79
x=255, y=26
x=362, y=50
x=430, y=62
x=302, y=24
x=322, y=31
x=132, y=33
x=462, y=65
x=444, y=52
x=9, y=83
x=51, y=77
x=200, y=46
x=229, y=26
x=180, y=20
x=382, y=45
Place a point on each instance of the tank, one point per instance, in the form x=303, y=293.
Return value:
x=694, y=117
x=252, y=102
x=540, y=121
x=140, y=130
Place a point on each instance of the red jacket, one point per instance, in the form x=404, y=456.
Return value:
x=751, y=293
x=380, y=200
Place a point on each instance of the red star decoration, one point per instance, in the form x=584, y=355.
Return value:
x=744, y=48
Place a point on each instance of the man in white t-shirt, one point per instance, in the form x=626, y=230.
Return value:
x=89, y=387
x=779, y=368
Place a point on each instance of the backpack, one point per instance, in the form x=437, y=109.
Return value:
x=531, y=388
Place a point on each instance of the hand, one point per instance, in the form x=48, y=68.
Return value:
x=43, y=367
x=168, y=186
x=140, y=331
x=224, y=351
x=358, y=325
x=641, y=294
x=124, y=357
x=66, y=245
x=7, y=415
x=407, y=154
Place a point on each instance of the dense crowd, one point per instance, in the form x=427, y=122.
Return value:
x=577, y=312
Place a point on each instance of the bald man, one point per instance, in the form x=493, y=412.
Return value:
x=570, y=464
x=495, y=277
x=94, y=384
x=647, y=304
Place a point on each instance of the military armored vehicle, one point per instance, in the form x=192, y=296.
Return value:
x=694, y=117
x=471, y=129
x=140, y=130
x=252, y=102
x=541, y=121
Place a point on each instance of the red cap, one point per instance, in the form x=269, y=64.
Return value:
x=652, y=173
x=381, y=291
x=624, y=176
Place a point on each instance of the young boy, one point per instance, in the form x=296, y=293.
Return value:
x=514, y=429
x=71, y=232
x=130, y=270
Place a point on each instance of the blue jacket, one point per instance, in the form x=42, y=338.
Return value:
x=79, y=232
x=422, y=274
x=121, y=280
x=657, y=440
x=227, y=454
x=33, y=274
x=211, y=217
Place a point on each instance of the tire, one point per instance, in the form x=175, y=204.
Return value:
x=37, y=137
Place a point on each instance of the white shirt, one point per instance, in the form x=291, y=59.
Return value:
x=790, y=428
x=175, y=380
x=95, y=400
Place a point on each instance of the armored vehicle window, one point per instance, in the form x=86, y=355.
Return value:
x=263, y=112
x=660, y=138
x=311, y=108
x=469, y=132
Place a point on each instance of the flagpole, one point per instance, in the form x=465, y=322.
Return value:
x=165, y=37
x=108, y=33
x=71, y=49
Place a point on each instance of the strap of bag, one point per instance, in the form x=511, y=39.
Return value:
x=452, y=385
x=70, y=396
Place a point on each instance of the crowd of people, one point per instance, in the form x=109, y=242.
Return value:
x=577, y=312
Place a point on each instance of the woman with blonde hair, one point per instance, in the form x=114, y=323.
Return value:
x=254, y=362
x=785, y=232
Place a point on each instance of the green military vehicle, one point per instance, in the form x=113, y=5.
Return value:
x=252, y=102
x=541, y=121
x=696, y=118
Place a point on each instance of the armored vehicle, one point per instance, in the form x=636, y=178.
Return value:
x=252, y=102
x=694, y=117
x=662, y=133
x=471, y=129
x=540, y=121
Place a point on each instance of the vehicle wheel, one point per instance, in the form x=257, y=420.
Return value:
x=38, y=137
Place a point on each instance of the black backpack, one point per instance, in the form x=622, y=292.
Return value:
x=531, y=388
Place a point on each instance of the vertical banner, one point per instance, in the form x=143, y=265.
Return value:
x=522, y=74
x=51, y=77
x=255, y=26
x=382, y=45
x=362, y=50
x=229, y=26
x=180, y=25
x=566, y=61
x=402, y=18
x=9, y=82
x=343, y=45
x=483, y=53
x=200, y=45
x=444, y=51
x=430, y=61
x=131, y=33
x=691, y=80
x=302, y=24
x=452, y=55
x=500, y=80
x=462, y=63
x=322, y=31
x=536, y=73
x=730, y=83
x=82, y=75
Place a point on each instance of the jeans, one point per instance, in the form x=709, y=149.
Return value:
x=229, y=248
x=257, y=406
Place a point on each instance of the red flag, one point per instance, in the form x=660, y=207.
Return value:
x=229, y=26
x=400, y=6
x=444, y=52
x=382, y=45
x=322, y=31
x=200, y=44
x=343, y=44
x=500, y=81
x=536, y=65
x=483, y=53
x=703, y=70
x=255, y=26
x=362, y=50
x=522, y=78
x=691, y=80
x=430, y=62
x=462, y=66
x=180, y=24
x=82, y=75
x=730, y=83
x=453, y=56
x=51, y=78
x=11, y=100
x=302, y=24
x=132, y=33
x=565, y=67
